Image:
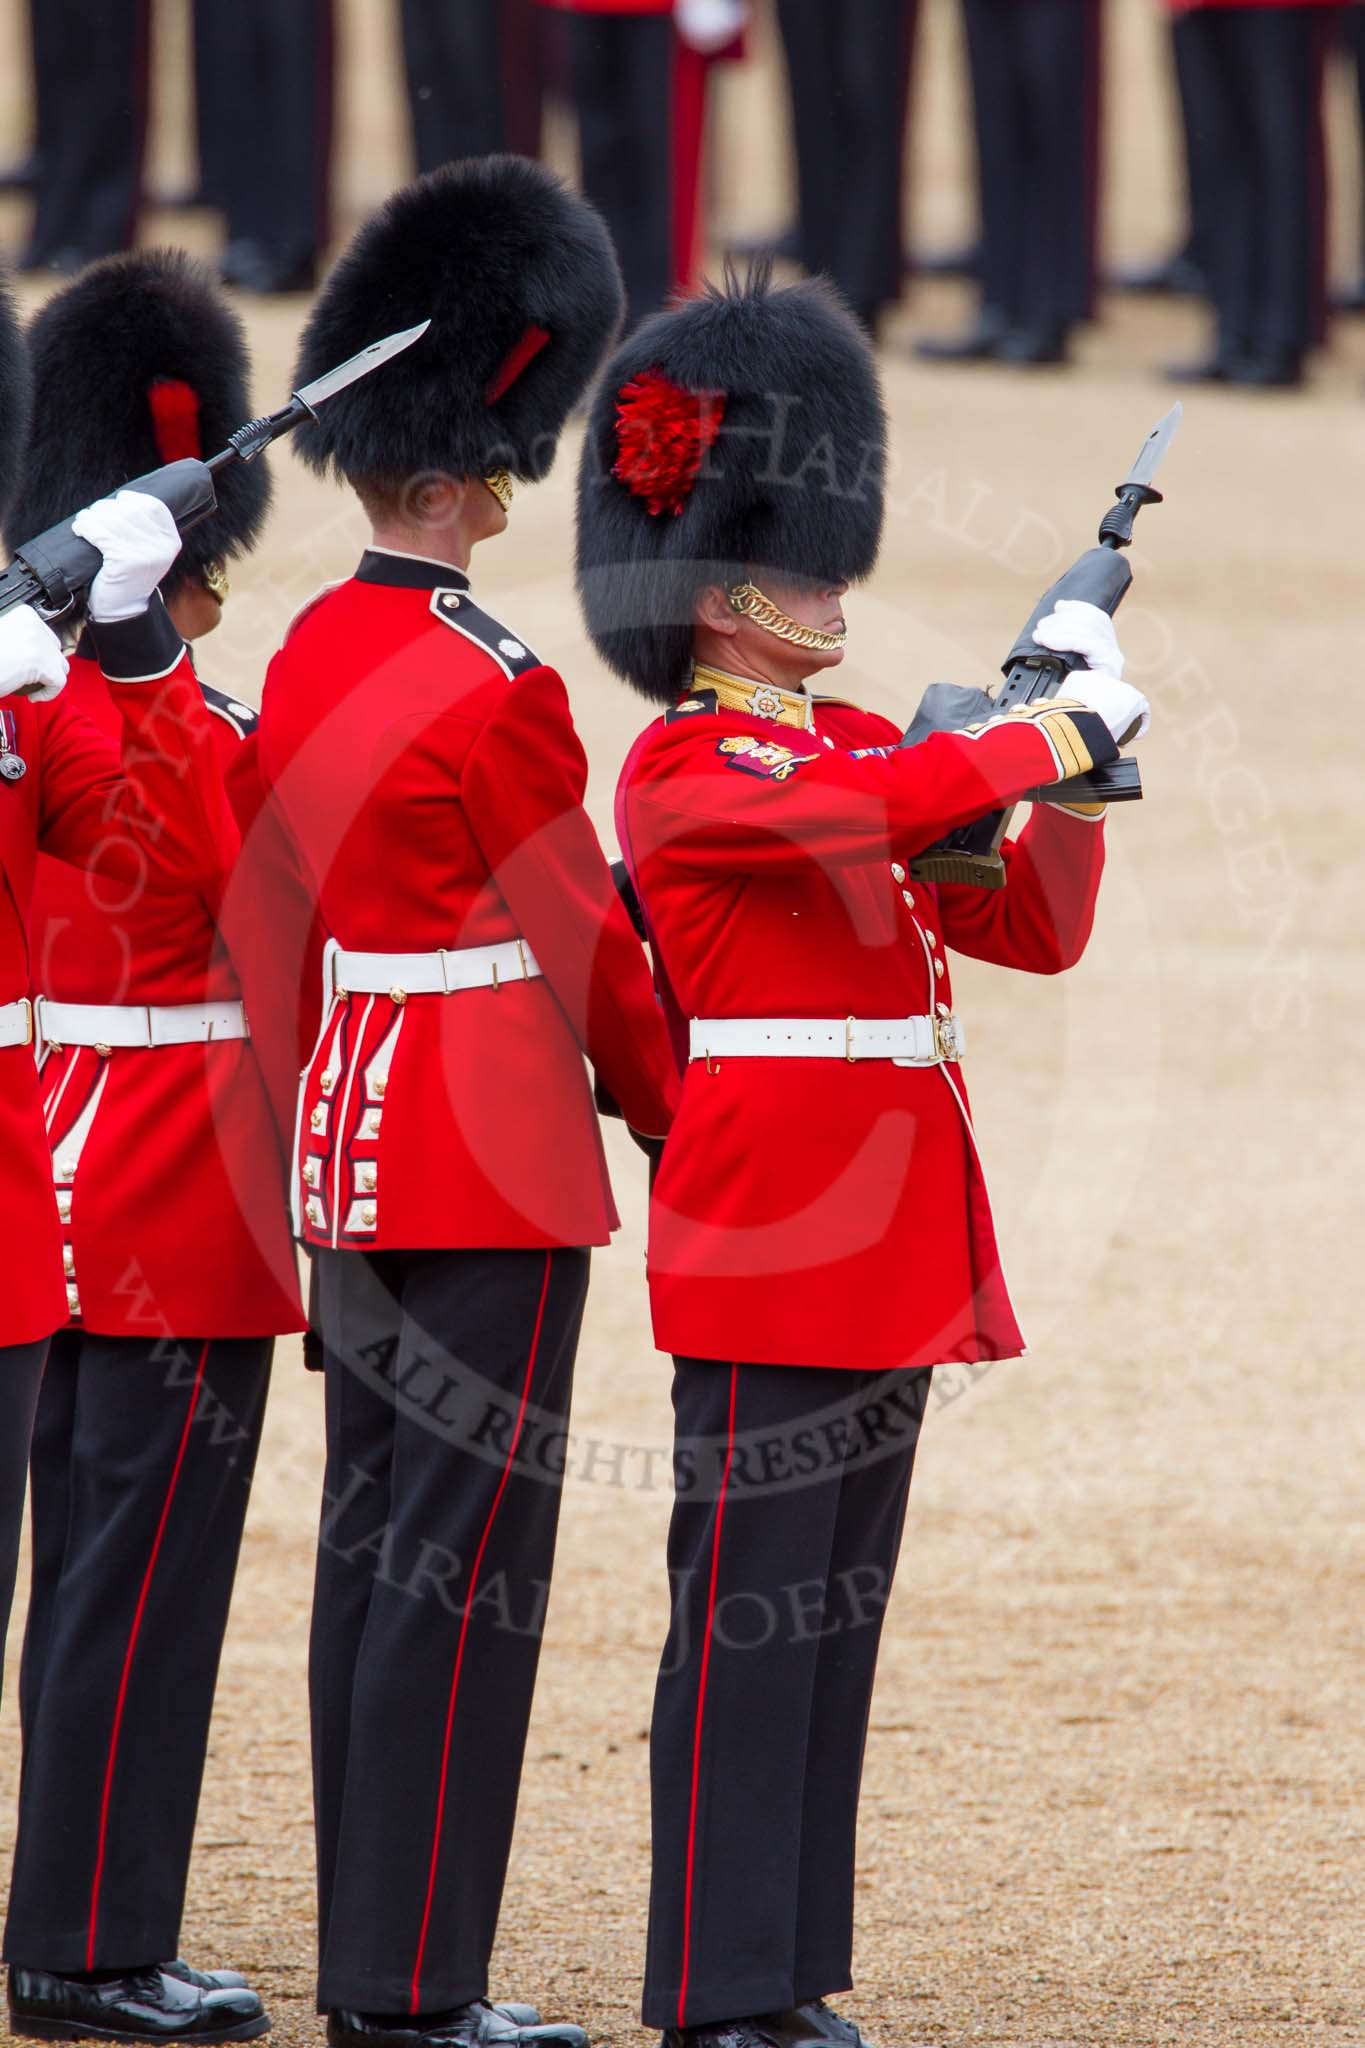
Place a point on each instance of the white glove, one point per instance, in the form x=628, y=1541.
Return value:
x=1124, y=710
x=138, y=539
x=31, y=660
x=1079, y=628
x=708, y=25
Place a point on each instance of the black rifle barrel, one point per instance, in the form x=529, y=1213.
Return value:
x=54, y=572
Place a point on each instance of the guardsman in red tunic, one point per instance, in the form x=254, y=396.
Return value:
x=145, y=811
x=820, y=1234
x=168, y=1170
x=449, y=1173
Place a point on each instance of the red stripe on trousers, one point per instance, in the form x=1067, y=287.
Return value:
x=701, y=1701
x=128, y=1656
x=464, y=1634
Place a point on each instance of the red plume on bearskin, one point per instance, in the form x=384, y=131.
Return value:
x=663, y=433
x=175, y=420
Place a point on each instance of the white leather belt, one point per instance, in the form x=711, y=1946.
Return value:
x=16, y=1025
x=906, y=1041
x=401, y=975
x=116, y=1026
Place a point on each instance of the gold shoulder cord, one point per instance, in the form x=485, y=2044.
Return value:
x=749, y=602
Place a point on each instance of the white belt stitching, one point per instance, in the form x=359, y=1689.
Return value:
x=442, y=973
x=138, y=1026
x=906, y=1041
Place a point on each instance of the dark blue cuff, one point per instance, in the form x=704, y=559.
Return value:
x=140, y=650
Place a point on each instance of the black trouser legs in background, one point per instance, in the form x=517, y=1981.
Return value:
x=271, y=122
x=21, y=1372
x=90, y=88
x=453, y=64
x=622, y=71
x=1261, y=69
x=1033, y=76
x=449, y=1377
x=143, y=1457
x=791, y=1496
x=849, y=102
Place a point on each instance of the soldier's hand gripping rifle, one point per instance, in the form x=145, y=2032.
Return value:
x=53, y=573
x=1101, y=577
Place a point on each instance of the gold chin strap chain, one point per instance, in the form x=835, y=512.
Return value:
x=500, y=484
x=216, y=583
x=748, y=600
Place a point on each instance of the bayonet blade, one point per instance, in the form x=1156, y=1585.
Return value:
x=1153, y=451
x=370, y=359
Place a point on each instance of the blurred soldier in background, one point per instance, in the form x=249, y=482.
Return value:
x=639, y=96
x=90, y=99
x=476, y=76
x=1035, y=94
x=1258, y=89
x=265, y=87
x=850, y=98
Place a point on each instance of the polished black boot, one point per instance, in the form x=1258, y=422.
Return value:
x=206, y=1980
x=479, y=2025
x=1270, y=369
x=815, y=2022
x=980, y=344
x=798, y=2027
x=142, y=2005
x=1034, y=348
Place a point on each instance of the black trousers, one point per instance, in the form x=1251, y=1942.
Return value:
x=1353, y=37
x=265, y=86
x=90, y=89
x=1202, y=169
x=475, y=77
x=849, y=90
x=791, y=1490
x=448, y=1381
x=1034, y=77
x=1256, y=80
x=143, y=1455
x=621, y=68
x=21, y=1372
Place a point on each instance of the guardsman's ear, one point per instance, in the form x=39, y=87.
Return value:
x=712, y=609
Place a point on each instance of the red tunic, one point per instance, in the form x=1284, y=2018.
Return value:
x=811, y=1212
x=426, y=768
x=149, y=809
x=168, y=1162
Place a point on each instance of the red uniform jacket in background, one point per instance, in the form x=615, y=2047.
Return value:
x=150, y=808
x=167, y=1162
x=426, y=768
x=812, y=1212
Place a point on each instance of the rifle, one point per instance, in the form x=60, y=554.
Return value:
x=54, y=572
x=1101, y=577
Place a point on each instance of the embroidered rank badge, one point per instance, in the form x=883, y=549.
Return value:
x=763, y=757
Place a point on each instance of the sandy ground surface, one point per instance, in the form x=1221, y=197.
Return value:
x=1115, y=1777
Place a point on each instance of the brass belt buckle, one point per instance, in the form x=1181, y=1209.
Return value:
x=849, y=1053
x=29, y=1031
x=947, y=1038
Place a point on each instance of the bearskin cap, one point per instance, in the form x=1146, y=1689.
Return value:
x=14, y=394
x=739, y=434
x=519, y=279
x=137, y=363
